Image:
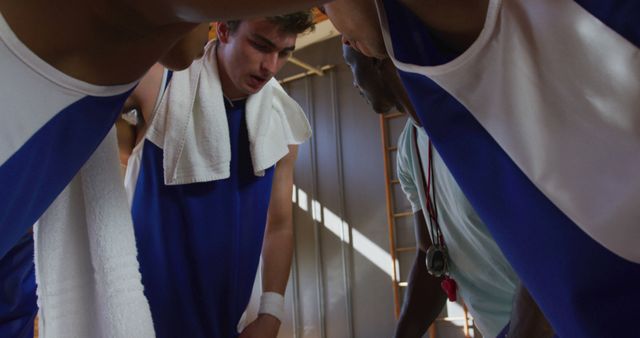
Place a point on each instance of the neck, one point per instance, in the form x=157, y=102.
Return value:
x=408, y=109
x=413, y=115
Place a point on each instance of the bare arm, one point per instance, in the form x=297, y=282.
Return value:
x=145, y=96
x=212, y=10
x=527, y=321
x=424, y=298
x=110, y=42
x=142, y=99
x=277, y=250
x=126, y=135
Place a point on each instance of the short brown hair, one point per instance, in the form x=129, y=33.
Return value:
x=294, y=23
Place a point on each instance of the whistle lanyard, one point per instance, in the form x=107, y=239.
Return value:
x=428, y=183
x=438, y=249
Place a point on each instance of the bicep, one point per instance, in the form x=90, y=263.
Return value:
x=149, y=91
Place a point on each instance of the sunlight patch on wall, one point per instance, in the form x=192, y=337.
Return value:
x=335, y=224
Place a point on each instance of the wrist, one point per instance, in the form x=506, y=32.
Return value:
x=272, y=304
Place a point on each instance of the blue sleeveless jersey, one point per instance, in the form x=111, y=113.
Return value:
x=35, y=174
x=199, y=244
x=51, y=124
x=18, y=306
x=584, y=289
x=41, y=167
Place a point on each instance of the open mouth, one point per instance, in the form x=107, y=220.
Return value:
x=258, y=78
x=256, y=81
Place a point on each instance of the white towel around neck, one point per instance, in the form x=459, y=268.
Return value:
x=89, y=284
x=191, y=126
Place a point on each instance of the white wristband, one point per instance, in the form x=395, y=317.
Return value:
x=272, y=303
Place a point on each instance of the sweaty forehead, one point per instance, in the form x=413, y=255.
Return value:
x=279, y=42
x=268, y=33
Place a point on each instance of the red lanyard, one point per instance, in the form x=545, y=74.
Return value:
x=430, y=190
x=448, y=284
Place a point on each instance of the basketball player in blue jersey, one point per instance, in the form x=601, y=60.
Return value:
x=62, y=88
x=537, y=121
x=485, y=280
x=202, y=225
x=18, y=306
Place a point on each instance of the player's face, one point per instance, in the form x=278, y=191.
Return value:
x=369, y=76
x=253, y=54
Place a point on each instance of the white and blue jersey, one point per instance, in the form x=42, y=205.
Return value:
x=539, y=123
x=199, y=244
x=51, y=124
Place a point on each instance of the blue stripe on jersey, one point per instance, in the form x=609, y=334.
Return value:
x=583, y=288
x=199, y=244
x=18, y=306
x=623, y=16
x=36, y=174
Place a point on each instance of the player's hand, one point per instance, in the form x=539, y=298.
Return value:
x=265, y=326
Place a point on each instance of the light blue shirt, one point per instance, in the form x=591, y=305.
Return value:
x=486, y=281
